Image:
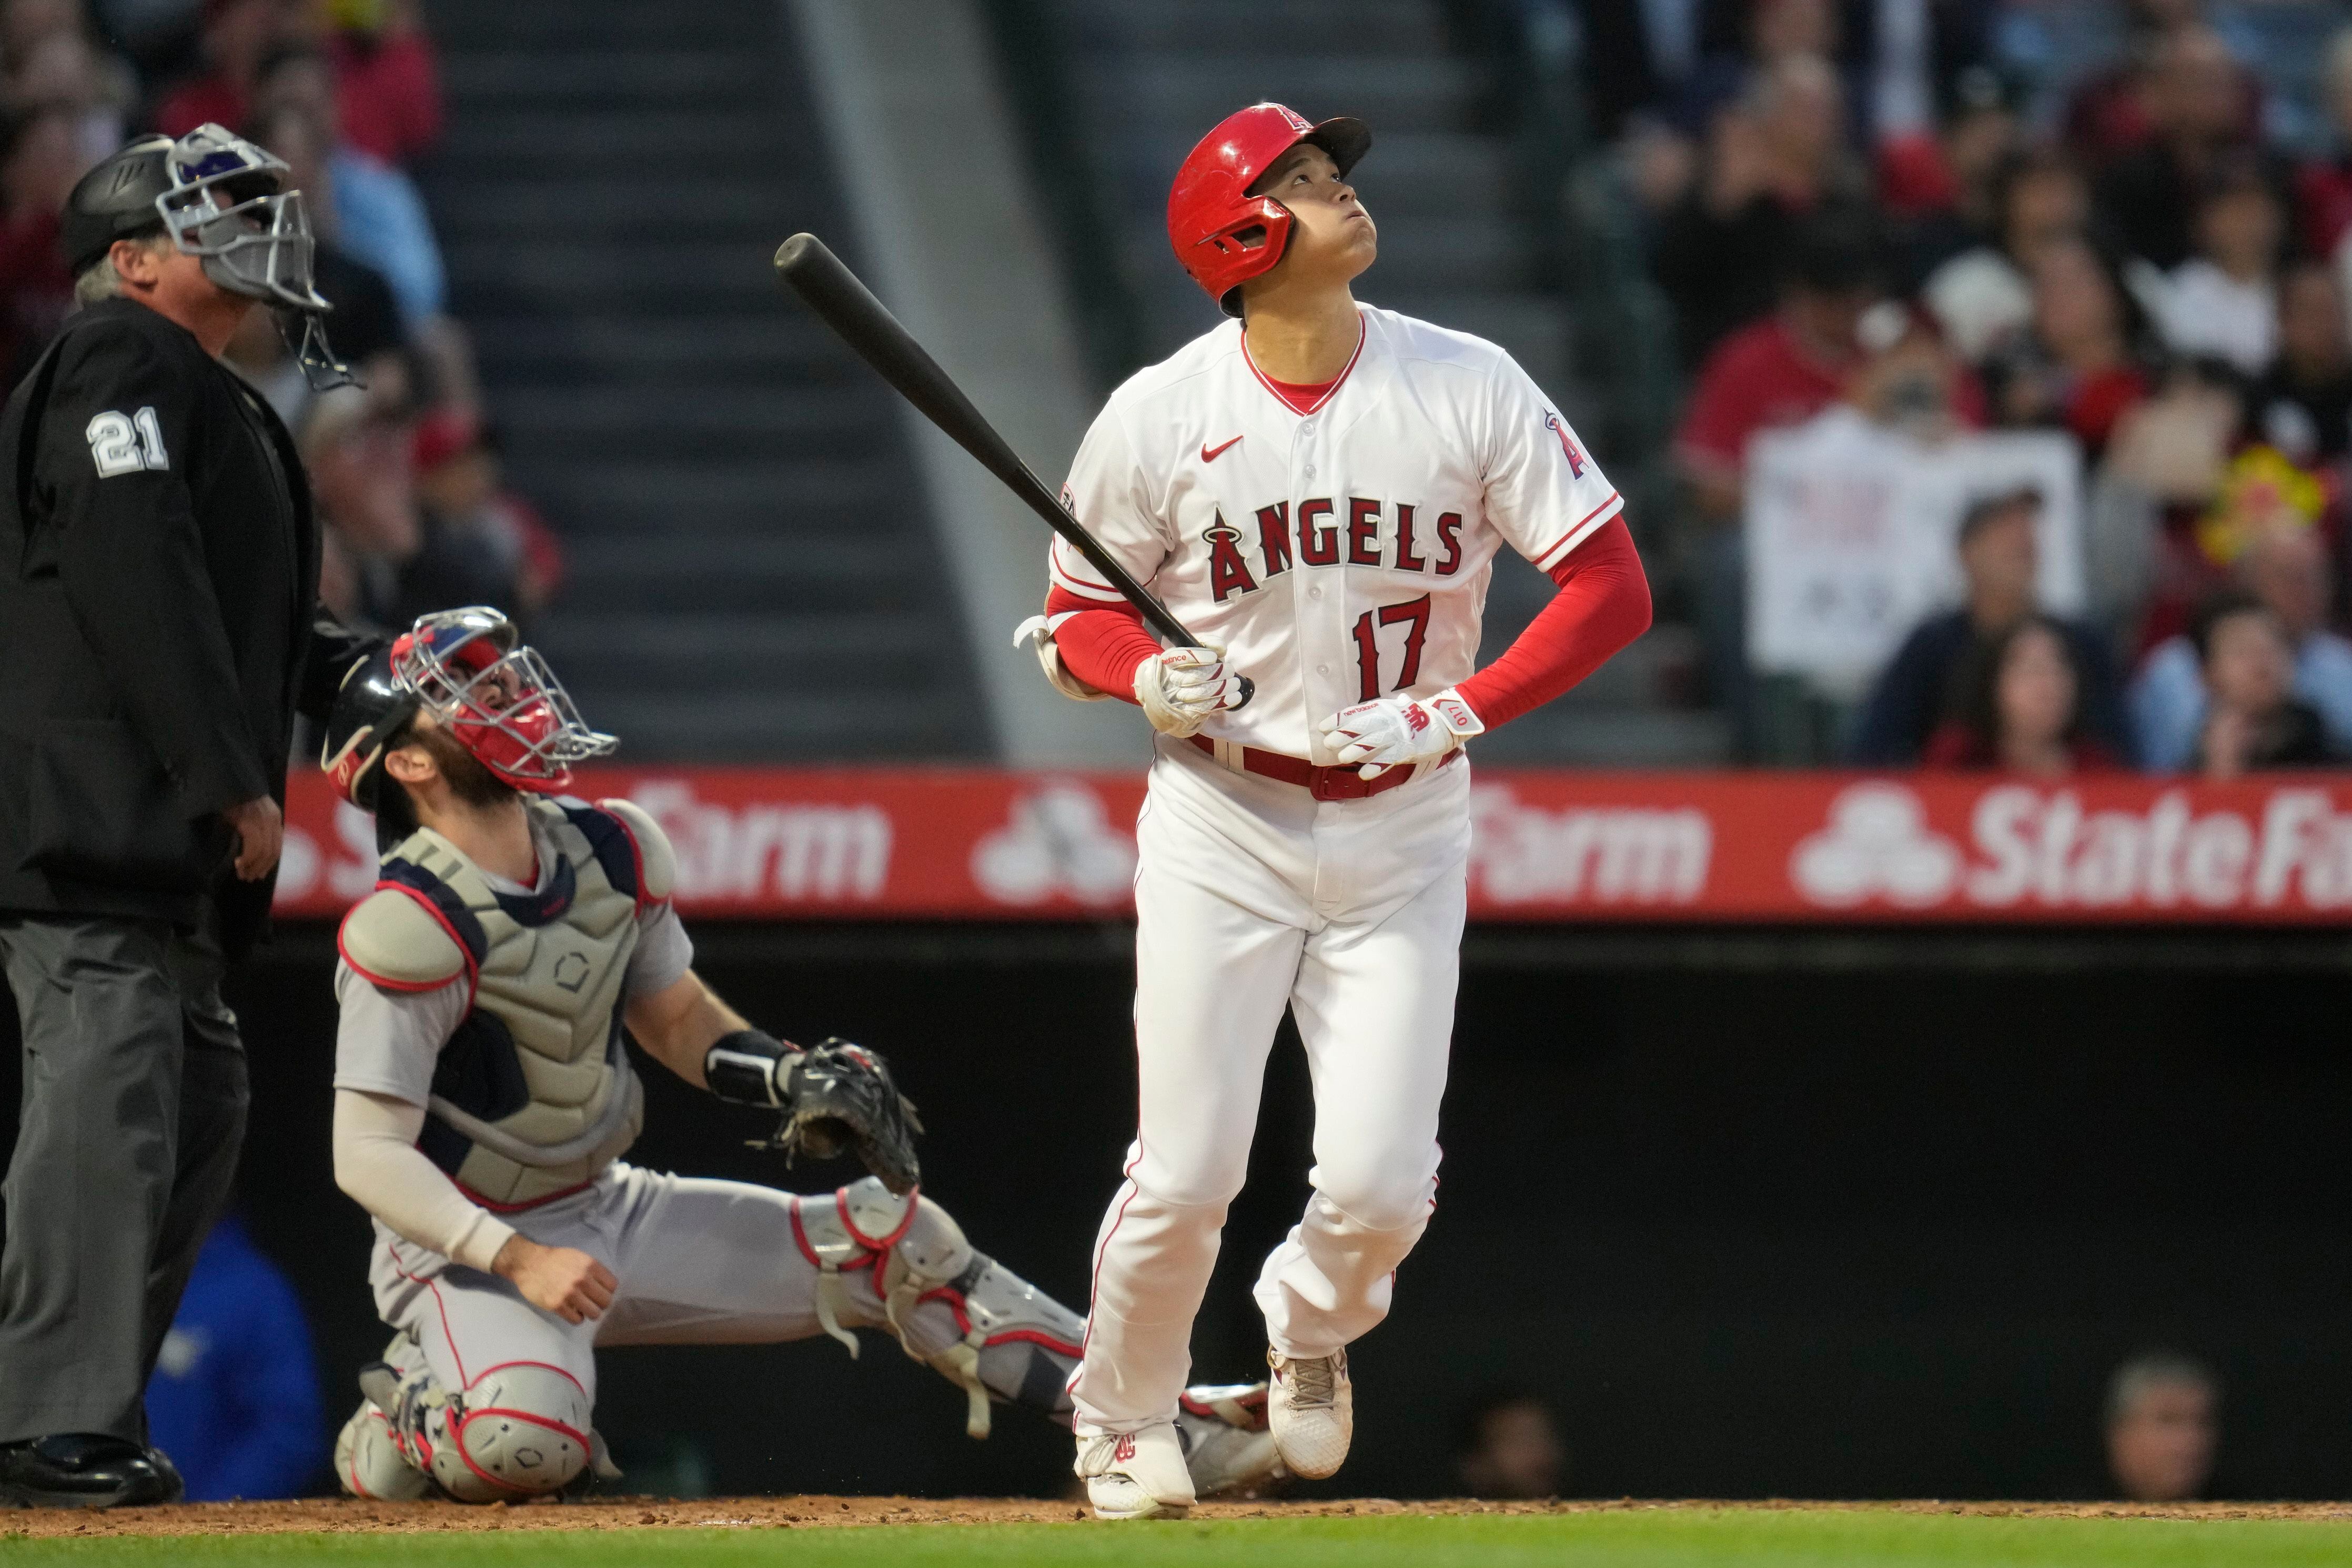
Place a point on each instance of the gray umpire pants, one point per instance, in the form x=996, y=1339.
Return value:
x=133, y=1110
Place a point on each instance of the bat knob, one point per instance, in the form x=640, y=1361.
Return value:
x=1249, y=690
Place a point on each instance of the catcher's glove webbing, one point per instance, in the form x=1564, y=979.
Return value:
x=834, y=1097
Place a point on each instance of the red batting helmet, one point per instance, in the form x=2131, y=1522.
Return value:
x=1223, y=234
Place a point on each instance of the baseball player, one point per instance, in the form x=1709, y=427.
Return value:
x=1318, y=489
x=484, y=1098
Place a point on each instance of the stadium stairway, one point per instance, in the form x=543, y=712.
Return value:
x=752, y=577
x=1147, y=77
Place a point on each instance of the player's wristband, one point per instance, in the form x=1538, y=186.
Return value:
x=747, y=1067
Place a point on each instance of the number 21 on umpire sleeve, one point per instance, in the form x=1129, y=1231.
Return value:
x=121, y=446
x=1414, y=612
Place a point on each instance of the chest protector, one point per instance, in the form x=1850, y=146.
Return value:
x=533, y=1094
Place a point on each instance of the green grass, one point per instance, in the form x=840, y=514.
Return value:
x=1683, y=1538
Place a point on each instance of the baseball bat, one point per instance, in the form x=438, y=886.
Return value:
x=849, y=307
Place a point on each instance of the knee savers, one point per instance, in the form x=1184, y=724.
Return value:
x=978, y=1324
x=517, y=1430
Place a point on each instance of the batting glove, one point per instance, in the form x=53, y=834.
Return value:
x=1180, y=688
x=1398, y=729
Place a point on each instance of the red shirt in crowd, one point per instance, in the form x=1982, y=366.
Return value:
x=2323, y=204
x=387, y=94
x=1957, y=748
x=1761, y=377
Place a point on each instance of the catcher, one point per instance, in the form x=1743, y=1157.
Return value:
x=484, y=1098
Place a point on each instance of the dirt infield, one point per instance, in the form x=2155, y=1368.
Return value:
x=347, y=1516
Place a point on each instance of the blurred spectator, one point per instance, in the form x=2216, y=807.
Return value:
x=2196, y=102
x=2163, y=1425
x=2252, y=720
x=466, y=502
x=1784, y=369
x=237, y=35
x=2166, y=461
x=1983, y=296
x=41, y=158
x=1945, y=189
x=235, y=1399
x=378, y=217
x=2284, y=570
x=51, y=62
x=2304, y=406
x=367, y=326
x=1773, y=157
x=2223, y=301
x=2018, y=706
x=1999, y=560
x=1637, y=57
x=1508, y=1448
x=2075, y=368
x=358, y=458
x=2111, y=113
x=385, y=78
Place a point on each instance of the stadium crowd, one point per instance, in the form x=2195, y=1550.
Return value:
x=404, y=467
x=2126, y=222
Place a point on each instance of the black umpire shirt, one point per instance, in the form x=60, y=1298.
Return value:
x=159, y=624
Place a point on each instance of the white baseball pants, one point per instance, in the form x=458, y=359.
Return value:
x=1253, y=896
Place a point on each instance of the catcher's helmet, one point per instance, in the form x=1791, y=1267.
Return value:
x=1223, y=234
x=494, y=696
x=222, y=198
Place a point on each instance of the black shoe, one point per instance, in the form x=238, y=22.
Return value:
x=176, y=1488
x=82, y=1469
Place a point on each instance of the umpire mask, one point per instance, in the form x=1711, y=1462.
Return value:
x=225, y=200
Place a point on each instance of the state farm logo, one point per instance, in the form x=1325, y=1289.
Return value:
x=1877, y=846
x=800, y=852
x=2031, y=846
x=1523, y=854
x=1060, y=843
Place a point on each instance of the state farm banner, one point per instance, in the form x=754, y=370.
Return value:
x=1548, y=845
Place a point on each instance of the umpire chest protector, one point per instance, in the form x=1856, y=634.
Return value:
x=533, y=1095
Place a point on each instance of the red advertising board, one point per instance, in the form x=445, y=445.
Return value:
x=1550, y=845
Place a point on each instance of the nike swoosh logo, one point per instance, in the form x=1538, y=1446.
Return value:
x=1209, y=454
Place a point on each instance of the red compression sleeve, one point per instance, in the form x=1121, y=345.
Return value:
x=1102, y=644
x=1602, y=604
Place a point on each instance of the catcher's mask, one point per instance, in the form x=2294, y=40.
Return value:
x=223, y=199
x=490, y=691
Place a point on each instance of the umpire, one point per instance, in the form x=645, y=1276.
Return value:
x=159, y=564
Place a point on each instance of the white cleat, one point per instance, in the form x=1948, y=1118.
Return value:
x=1136, y=1475
x=1226, y=1444
x=368, y=1461
x=1312, y=1409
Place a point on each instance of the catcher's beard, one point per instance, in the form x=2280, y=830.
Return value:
x=470, y=779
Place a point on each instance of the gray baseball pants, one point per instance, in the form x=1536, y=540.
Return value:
x=132, y=1114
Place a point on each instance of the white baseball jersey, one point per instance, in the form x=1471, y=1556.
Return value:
x=1340, y=554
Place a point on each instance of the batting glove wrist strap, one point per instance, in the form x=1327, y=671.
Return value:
x=1180, y=689
x=744, y=1066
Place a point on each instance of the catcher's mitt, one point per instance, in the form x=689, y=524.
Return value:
x=839, y=1095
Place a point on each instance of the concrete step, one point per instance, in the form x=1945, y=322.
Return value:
x=657, y=143
x=790, y=724
x=606, y=210
x=699, y=651
x=621, y=490
x=493, y=79
x=1346, y=27
x=576, y=276
x=659, y=351
x=1183, y=95
x=711, y=574
x=462, y=27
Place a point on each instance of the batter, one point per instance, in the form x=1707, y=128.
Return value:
x=484, y=1097
x=1317, y=490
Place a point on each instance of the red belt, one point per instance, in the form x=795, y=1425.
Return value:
x=1323, y=783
